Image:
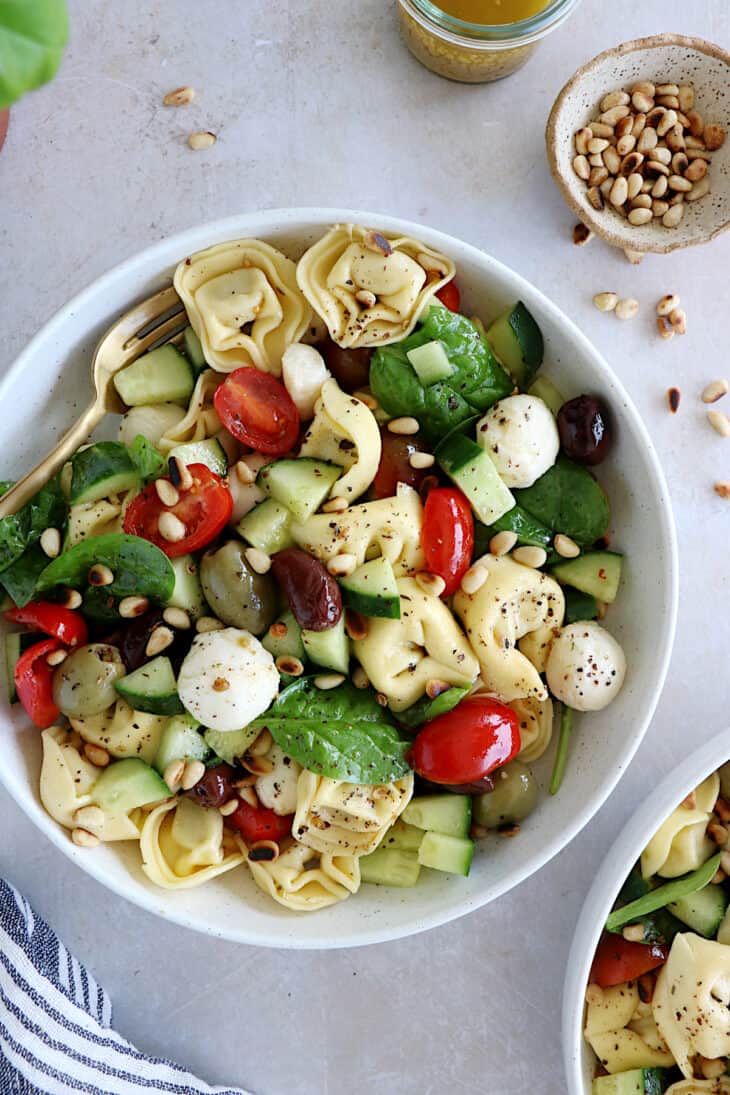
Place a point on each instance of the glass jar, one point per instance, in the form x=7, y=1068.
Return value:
x=471, y=52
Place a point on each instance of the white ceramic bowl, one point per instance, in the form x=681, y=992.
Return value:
x=577, y=1055
x=49, y=384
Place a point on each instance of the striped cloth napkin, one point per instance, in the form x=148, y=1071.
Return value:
x=55, y=1032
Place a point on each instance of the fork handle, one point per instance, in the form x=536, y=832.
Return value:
x=32, y=482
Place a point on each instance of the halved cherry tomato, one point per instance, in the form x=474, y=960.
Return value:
x=33, y=678
x=450, y=296
x=468, y=743
x=394, y=467
x=447, y=535
x=260, y=823
x=618, y=960
x=204, y=510
x=62, y=623
x=257, y=409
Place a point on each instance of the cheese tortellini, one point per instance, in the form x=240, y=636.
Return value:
x=720, y=1086
x=185, y=845
x=513, y=601
x=344, y=432
x=122, y=731
x=305, y=880
x=200, y=421
x=389, y=527
x=536, y=726
x=243, y=303
x=370, y=288
x=401, y=656
x=681, y=844
x=89, y=519
x=621, y=1031
x=67, y=785
x=336, y=817
x=691, y=1001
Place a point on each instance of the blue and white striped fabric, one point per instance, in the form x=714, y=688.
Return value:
x=55, y=1032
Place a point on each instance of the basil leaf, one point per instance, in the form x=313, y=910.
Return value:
x=342, y=733
x=139, y=569
x=150, y=464
x=19, y=580
x=478, y=380
x=33, y=34
x=569, y=500
x=46, y=509
x=425, y=709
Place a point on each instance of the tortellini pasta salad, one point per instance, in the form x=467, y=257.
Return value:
x=312, y=614
x=658, y=1000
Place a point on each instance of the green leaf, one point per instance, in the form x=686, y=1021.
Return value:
x=342, y=733
x=19, y=580
x=664, y=895
x=47, y=509
x=425, y=709
x=150, y=464
x=478, y=380
x=569, y=500
x=33, y=34
x=139, y=568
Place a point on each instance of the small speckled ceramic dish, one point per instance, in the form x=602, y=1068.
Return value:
x=666, y=58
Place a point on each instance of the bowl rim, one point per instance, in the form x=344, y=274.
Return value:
x=150, y=262
x=622, y=854
x=584, y=213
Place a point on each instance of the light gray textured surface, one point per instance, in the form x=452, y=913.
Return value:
x=319, y=104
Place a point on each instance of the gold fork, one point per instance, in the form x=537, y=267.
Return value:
x=159, y=319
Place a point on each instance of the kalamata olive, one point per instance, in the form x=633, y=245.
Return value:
x=514, y=796
x=313, y=594
x=134, y=634
x=479, y=787
x=237, y=594
x=83, y=684
x=215, y=787
x=584, y=431
x=350, y=368
x=394, y=467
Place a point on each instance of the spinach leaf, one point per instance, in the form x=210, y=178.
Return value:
x=342, y=733
x=569, y=500
x=139, y=569
x=425, y=709
x=32, y=37
x=19, y=580
x=478, y=380
x=150, y=464
x=46, y=509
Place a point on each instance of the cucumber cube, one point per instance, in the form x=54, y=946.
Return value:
x=180, y=740
x=430, y=362
x=390, y=867
x=266, y=527
x=301, y=485
x=448, y=814
x=127, y=784
x=452, y=854
x=159, y=376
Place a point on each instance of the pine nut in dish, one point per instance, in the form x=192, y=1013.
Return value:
x=100, y=575
x=192, y=773
x=715, y=390
x=201, y=140
x=50, y=542
x=84, y=839
x=626, y=308
x=130, y=607
x=565, y=546
x=176, y=617
x=327, y=681
x=159, y=640
x=719, y=422
x=205, y=624
x=170, y=527
x=96, y=754
x=173, y=773
x=406, y=425
x=179, y=97
x=604, y=302
x=258, y=560
x=474, y=579
x=530, y=556
x=168, y=495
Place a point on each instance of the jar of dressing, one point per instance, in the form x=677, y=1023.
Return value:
x=447, y=41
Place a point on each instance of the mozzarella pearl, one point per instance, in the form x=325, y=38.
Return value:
x=152, y=420
x=227, y=679
x=586, y=666
x=303, y=372
x=521, y=437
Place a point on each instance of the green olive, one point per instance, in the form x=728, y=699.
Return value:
x=236, y=593
x=83, y=684
x=513, y=798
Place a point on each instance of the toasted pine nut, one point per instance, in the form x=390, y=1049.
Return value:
x=249, y=796
x=229, y=807
x=258, y=560
x=600, y=129
x=176, y=617
x=221, y=684
x=633, y=933
x=356, y=625
x=659, y=208
x=715, y=390
x=634, y=182
x=675, y=139
x=131, y=607
x=366, y=298
x=686, y=96
x=327, y=681
x=420, y=460
x=604, y=302
x=160, y=638
x=581, y=235
x=725, y=862
x=56, y=657
x=619, y=191
x=244, y=474
x=614, y=115
x=96, y=754
x=100, y=575
x=73, y=599
x=474, y=579
x=678, y=182
x=597, y=144
x=642, y=102
x=667, y=304
x=565, y=546
x=335, y=505
x=696, y=170
x=612, y=160
x=368, y=399
x=627, y=308
x=179, y=97
x=205, y=624
x=615, y=98
x=89, y=817
x=713, y=136
x=261, y=746
x=180, y=477
x=717, y=833
x=502, y=542
x=530, y=556
x=168, y=495
x=678, y=320
x=288, y=664
x=435, y=688
x=50, y=542
x=173, y=773
x=664, y=329
x=360, y=678
x=647, y=140
x=405, y=425
x=722, y=488
x=581, y=167
x=193, y=773
x=84, y=839
x=264, y=851
x=340, y=566
x=712, y=1068
x=699, y=189
x=201, y=140
x=640, y=216
x=719, y=422
x=673, y=216
x=660, y=187
x=432, y=584
x=625, y=145
x=581, y=139
x=667, y=122
x=170, y=527
x=718, y=878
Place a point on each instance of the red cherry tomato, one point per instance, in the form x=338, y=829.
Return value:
x=618, y=960
x=450, y=296
x=33, y=678
x=204, y=510
x=468, y=743
x=63, y=624
x=257, y=409
x=260, y=823
x=394, y=467
x=448, y=535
